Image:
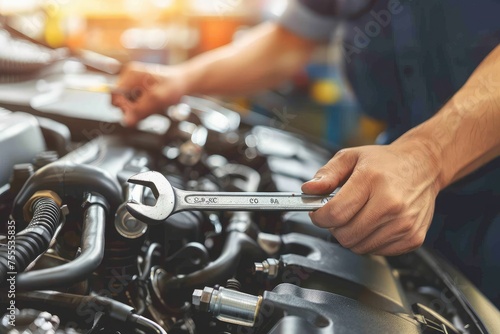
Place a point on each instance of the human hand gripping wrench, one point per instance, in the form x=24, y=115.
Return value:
x=170, y=200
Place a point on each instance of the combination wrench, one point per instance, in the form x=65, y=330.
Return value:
x=170, y=200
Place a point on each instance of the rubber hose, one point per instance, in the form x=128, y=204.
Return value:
x=77, y=303
x=33, y=240
x=92, y=245
x=237, y=245
x=69, y=179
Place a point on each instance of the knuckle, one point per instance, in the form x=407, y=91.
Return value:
x=394, y=203
x=338, y=215
x=360, y=250
x=405, y=226
x=344, y=239
x=342, y=153
x=376, y=176
x=380, y=177
x=363, y=168
x=324, y=170
x=368, y=247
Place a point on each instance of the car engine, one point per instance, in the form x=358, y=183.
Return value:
x=74, y=260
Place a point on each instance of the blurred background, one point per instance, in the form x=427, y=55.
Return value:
x=317, y=102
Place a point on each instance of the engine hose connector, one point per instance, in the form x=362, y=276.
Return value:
x=228, y=305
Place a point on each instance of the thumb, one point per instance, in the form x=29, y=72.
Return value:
x=330, y=176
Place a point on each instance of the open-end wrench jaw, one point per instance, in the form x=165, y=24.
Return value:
x=165, y=198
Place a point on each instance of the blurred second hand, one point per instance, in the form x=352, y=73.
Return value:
x=106, y=88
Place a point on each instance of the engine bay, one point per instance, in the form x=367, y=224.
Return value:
x=84, y=264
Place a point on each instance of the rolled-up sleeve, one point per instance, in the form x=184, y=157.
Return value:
x=303, y=21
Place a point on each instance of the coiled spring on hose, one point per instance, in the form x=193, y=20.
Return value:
x=34, y=239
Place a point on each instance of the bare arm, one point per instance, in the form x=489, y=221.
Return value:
x=465, y=134
x=263, y=58
x=387, y=201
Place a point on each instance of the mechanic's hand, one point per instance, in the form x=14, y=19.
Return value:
x=386, y=204
x=145, y=89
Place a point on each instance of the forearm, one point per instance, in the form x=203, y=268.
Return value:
x=465, y=134
x=262, y=59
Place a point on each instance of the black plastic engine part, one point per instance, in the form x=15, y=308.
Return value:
x=20, y=140
x=299, y=222
x=290, y=309
x=310, y=262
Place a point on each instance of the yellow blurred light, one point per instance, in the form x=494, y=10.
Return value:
x=326, y=92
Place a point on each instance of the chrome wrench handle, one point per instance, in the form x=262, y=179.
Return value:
x=170, y=200
x=248, y=201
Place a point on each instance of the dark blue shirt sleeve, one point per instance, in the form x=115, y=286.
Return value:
x=316, y=19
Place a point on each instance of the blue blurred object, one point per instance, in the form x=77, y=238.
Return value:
x=342, y=115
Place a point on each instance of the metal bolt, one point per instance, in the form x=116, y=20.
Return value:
x=269, y=267
x=261, y=267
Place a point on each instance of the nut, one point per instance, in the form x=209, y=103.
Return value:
x=205, y=297
x=197, y=297
x=273, y=266
x=269, y=267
